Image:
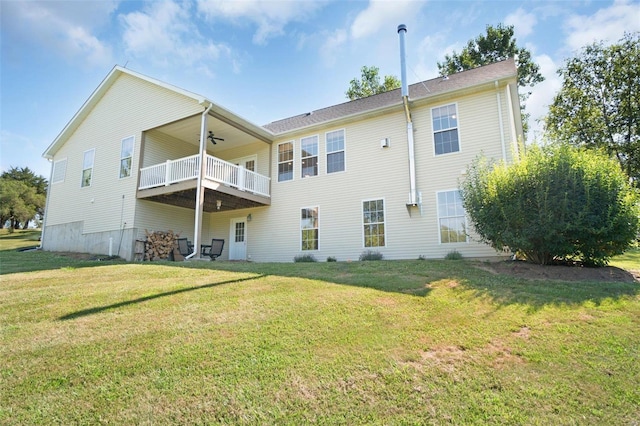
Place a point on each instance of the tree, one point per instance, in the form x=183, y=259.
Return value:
x=370, y=84
x=497, y=45
x=557, y=203
x=22, y=196
x=598, y=105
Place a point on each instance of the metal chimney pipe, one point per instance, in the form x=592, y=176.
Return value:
x=402, y=30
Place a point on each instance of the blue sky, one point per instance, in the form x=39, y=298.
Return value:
x=263, y=60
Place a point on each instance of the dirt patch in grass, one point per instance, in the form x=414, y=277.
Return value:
x=532, y=271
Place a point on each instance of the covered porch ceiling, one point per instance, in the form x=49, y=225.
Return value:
x=186, y=198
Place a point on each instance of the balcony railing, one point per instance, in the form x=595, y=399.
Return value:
x=174, y=171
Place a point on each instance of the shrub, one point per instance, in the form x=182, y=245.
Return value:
x=331, y=259
x=371, y=255
x=304, y=258
x=453, y=255
x=556, y=203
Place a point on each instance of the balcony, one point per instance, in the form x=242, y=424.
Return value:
x=175, y=181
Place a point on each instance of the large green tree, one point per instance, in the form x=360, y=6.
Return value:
x=598, y=105
x=22, y=196
x=369, y=84
x=498, y=44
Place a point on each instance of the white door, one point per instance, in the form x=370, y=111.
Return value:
x=238, y=239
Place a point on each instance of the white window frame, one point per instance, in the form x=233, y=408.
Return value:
x=130, y=156
x=456, y=127
x=59, y=171
x=364, y=223
x=454, y=216
x=303, y=228
x=343, y=150
x=93, y=162
x=292, y=161
x=243, y=160
x=304, y=158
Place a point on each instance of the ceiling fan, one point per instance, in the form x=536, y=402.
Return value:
x=212, y=138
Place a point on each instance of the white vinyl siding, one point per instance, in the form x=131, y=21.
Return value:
x=451, y=217
x=87, y=167
x=126, y=156
x=285, y=161
x=59, y=171
x=445, y=129
x=373, y=223
x=309, y=156
x=309, y=228
x=335, y=151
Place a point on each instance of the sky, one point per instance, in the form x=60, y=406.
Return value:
x=263, y=60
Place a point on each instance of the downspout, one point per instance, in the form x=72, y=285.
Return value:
x=199, y=189
x=413, y=196
x=502, y=142
x=46, y=205
x=512, y=122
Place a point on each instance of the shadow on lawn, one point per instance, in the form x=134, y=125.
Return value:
x=98, y=309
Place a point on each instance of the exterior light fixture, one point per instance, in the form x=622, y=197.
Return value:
x=218, y=204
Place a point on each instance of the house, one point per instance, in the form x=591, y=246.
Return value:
x=380, y=173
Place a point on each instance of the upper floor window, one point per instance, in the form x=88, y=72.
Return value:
x=126, y=156
x=309, y=156
x=87, y=167
x=285, y=161
x=445, y=129
x=335, y=151
x=373, y=222
x=59, y=171
x=309, y=228
x=451, y=217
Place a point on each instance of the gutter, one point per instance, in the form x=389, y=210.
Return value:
x=199, y=189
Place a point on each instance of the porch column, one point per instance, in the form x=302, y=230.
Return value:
x=197, y=237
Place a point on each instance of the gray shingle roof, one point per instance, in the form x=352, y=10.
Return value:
x=461, y=80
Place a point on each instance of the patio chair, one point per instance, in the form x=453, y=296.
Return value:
x=214, y=250
x=184, y=247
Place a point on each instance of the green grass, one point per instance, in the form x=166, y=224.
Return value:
x=386, y=342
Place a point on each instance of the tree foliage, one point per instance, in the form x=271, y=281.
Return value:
x=556, y=203
x=369, y=84
x=22, y=196
x=497, y=45
x=598, y=105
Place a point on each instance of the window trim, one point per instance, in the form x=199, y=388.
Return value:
x=466, y=222
x=343, y=150
x=317, y=228
x=64, y=171
x=293, y=161
x=93, y=164
x=433, y=131
x=133, y=147
x=317, y=156
x=362, y=225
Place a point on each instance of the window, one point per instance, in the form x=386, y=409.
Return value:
x=309, y=228
x=445, y=129
x=126, y=155
x=309, y=156
x=87, y=167
x=335, y=151
x=373, y=222
x=59, y=171
x=285, y=161
x=451, y=217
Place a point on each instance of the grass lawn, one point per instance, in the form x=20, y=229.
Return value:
x=385, y=342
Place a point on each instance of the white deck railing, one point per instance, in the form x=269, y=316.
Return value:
x=173, y=171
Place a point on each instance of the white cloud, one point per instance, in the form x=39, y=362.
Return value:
x=542, y=95
x=270, y=17
x=164, y=33
x=380, y=14
x=66, y=28
x=608, y=24
x=333, y=42
x=523, y=22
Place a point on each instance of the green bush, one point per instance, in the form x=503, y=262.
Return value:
x=556, y=203
x=304, y=258
x=331, y=259
x=453, y=255
x=371, y=255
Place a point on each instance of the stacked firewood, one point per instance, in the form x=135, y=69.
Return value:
x=159, y=244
